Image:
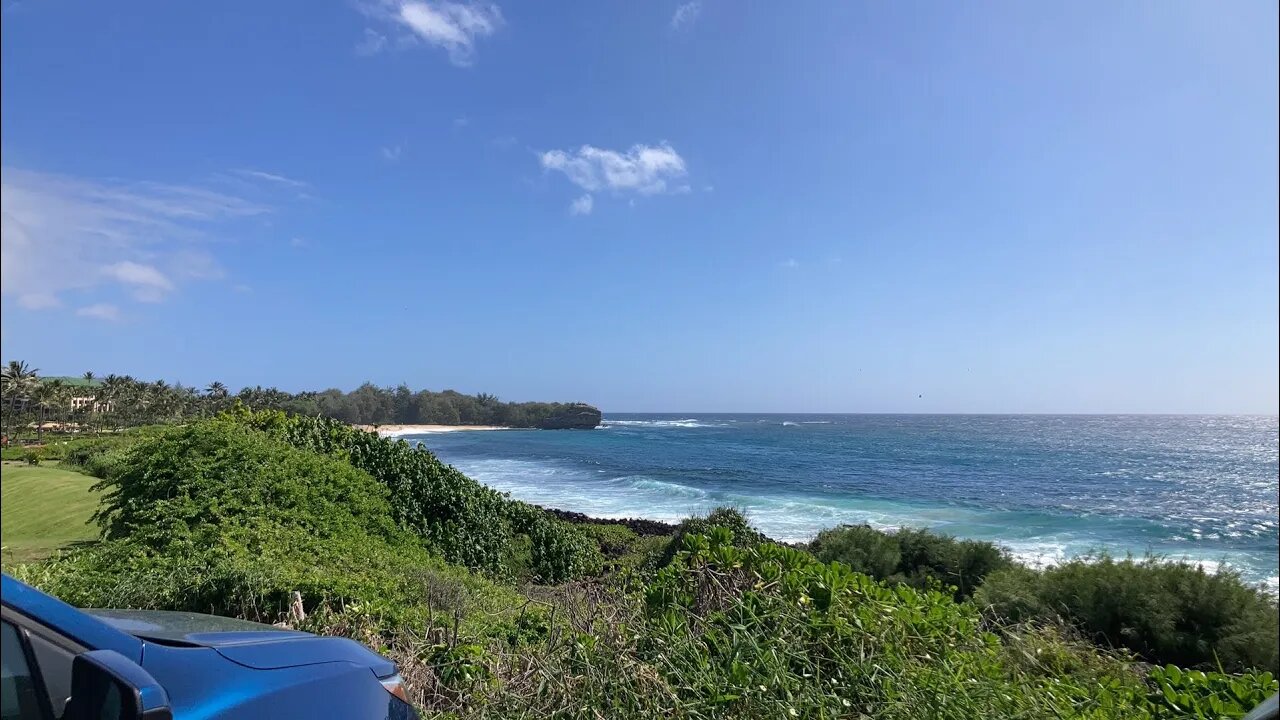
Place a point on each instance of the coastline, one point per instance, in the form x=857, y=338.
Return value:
x=394, y=430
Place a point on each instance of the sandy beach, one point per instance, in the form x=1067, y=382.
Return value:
x=398, y=430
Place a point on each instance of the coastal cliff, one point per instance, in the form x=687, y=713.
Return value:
x=573, y=416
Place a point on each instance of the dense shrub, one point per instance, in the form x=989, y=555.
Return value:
x=217, y=517
x=99, y=458
x=910, y=556
x=768, y=631
x=730, y=518
x=469, y=524
x=861, y=547
x=217, y=480
x=1166, y=612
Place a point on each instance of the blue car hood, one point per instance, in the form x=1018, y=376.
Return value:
x=186, y=628
x=254, y=645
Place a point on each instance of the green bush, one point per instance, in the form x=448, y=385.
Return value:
x=216, y=517
x=32, y=456
x=1166, y=612
x=769, y=631
x=861, y=547
x=468, y=523
x=911, y=556
x=729, y=518
x=217, y=479
x=98, y=458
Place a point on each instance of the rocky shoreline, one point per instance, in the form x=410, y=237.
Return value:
x=639, y=526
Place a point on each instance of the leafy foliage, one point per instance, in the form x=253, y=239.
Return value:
x=370, y=404
x=1167, y=612
x=217, y=479
x=729, y=518
x=468, y=523
x=1195, y=694
x=912, y=556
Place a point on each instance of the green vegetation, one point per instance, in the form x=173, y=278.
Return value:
x=1165, y=612
x=918, y=558
x=729, y=518
x=42, y=509
x=465, y=521
x=34, y=406
x=372, y=405
x=232, y=515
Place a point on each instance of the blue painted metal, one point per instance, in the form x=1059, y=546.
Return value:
x=151, y=695
x=227, y=672
x=67, y=620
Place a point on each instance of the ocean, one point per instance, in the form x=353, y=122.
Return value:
x=1046, y=487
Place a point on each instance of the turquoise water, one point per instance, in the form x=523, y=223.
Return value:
x=1046, y=487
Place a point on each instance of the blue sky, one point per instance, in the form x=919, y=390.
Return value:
x=708, y=206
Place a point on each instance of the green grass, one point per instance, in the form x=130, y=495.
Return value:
x=42, y=509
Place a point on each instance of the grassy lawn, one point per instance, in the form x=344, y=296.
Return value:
x=42, y=509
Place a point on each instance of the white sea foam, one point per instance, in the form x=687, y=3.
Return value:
x=795, y=517
x=687, y=423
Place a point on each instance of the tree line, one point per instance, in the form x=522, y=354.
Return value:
x=33, y=404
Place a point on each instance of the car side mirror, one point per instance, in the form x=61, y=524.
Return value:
x=106, y=685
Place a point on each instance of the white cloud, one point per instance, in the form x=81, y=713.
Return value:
x=270, y=177
x=644, y=169
x=149, y=284
x=298, y=242
x=791, y=263
x=391, y=153
x=372, y=44
x=461, y=121
x=101, y=311
x=60, y=234
x=582, y=206
x=686, y=15
x=39, y=301
x=453, y=26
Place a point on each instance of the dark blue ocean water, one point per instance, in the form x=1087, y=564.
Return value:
x=1046, y=487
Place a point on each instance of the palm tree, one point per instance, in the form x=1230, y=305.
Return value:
x=112, y=396
x=16, y=379
x=45, y=394
x=88, y=375
x=215, y=396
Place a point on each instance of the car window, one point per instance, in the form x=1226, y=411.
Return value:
x=19, y=687
x=54, y=664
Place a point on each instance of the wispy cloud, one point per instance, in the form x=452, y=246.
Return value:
x=582, y=206
x=39, y=301
x=100, y=311
x=452, y=26
x=461, y=121
x=790, y=263
x=391, y=153
x=372, y=43
x=643, y=169
x=148, y=283
x=297, y=242
x=270, y=177
x=61, y=234
x=686, y=15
